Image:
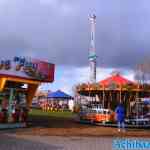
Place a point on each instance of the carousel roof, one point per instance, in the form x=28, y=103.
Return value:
x=41, y=93
x=117, y=79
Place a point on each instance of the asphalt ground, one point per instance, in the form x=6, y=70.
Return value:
x=11, y=141
x=51, y=133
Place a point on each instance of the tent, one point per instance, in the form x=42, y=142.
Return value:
x=61, y=98
x=59, y=95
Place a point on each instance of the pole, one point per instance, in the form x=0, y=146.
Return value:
x=137, y=100
x=92, y=50
x=103, y=96
x=10, y=103
x=137, y=111
x=89, y=91
x=120, y=96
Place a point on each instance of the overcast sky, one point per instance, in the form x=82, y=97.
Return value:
x=59, y=31
x=56, y=29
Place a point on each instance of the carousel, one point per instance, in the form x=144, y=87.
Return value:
x=19, y=81
x=113, y=90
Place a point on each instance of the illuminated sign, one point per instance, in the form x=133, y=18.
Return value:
x=29, y=68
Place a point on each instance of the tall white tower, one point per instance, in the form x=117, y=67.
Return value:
x=92, y=50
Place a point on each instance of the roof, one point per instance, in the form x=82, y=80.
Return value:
x=41, y=93
x=117, y=79
x=59, y=95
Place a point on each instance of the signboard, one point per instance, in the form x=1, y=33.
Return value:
x=27, y=68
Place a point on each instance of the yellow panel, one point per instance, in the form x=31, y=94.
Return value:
x=30, y=93
x=23, y=80
x=2, y=83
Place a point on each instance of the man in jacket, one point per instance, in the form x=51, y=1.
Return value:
x=120, y=116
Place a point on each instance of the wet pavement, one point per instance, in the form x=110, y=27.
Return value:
x=13, y=143
x=28, y=142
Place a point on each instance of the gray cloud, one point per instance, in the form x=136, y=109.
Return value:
x=58, y=30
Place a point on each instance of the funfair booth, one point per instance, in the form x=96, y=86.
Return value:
x=19, y=80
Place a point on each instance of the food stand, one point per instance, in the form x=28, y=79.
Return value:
x=19, y=81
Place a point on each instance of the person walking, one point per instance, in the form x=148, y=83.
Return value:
x=120, y=116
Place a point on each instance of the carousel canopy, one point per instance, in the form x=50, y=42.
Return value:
x=59, y=95
x=117, y=79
